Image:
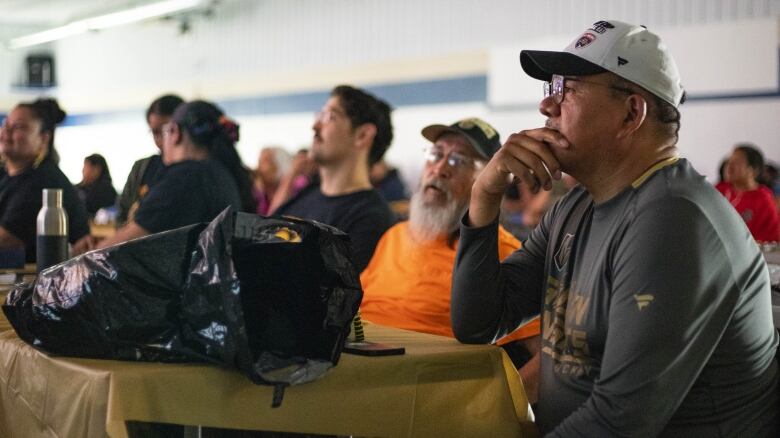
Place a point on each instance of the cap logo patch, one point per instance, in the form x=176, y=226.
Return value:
x=484, y=127
x=602, y=26
x=584, y=40
x=622, y=61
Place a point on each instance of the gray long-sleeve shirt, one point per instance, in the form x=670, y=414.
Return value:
x=656, y=314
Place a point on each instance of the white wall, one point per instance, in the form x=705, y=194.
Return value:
x=121, y=143
x=272, y=46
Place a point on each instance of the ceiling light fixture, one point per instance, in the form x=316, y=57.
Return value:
x=113, y=19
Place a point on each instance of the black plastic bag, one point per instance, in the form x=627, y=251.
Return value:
x=273, y=297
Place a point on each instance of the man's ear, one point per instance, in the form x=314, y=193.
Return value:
x=364, y=134
x=636, y=112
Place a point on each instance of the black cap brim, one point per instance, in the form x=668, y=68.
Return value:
x=542, y=65
x=433, y=132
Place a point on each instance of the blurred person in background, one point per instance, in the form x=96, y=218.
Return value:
x=387, y=181
x=351, y=132
x=771, y=178
x=96, y=189
x=303, y=172
x=522, y=210
x=30, y=165
x=145, y=171
x=272, y=164
x=754, y=202
x=407, y=283
x=203, y=175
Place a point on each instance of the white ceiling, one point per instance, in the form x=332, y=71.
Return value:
x=20, y=17
x=45, y=13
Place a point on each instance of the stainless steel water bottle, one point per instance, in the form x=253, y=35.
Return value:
x=52, y=231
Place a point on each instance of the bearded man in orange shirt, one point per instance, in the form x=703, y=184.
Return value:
x=407, y=282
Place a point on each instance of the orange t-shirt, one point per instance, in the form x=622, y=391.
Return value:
x=407, y=284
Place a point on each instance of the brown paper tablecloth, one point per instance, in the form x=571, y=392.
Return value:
x=26, y=274
x=438, y=388
x=4, y=324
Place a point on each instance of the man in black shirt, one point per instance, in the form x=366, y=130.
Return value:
x=351, y=132
x=147, y=171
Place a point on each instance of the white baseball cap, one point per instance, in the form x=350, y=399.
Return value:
x=629, y=51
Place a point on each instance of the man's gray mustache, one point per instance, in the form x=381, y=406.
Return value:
x=437, y=183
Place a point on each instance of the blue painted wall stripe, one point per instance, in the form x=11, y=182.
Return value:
x=456, y=90
x=465, y=89
x=439, y=91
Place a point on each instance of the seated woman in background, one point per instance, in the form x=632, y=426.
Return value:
x=271, y=165
x=96, y=189
x=203, y=176
x=29, y=166
x=754, y=202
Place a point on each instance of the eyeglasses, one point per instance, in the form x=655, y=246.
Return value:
x=557, y=87
x=456, y=160
x=554, y=88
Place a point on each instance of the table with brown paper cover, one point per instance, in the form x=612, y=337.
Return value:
x=438, y=388
x=9, y=277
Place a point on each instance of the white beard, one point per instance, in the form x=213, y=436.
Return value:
x=427, y=221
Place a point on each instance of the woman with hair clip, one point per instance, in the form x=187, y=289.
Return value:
x=203, y=176
x=96, y=189
x=29, y=165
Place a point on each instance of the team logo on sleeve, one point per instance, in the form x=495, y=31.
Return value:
x=643, y=300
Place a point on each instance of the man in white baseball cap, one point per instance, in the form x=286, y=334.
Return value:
x=655, y=300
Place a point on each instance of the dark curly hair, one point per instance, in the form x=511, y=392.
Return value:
x=209, y=128
x=49, y=113
x=164, y=105
x=361, y=108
